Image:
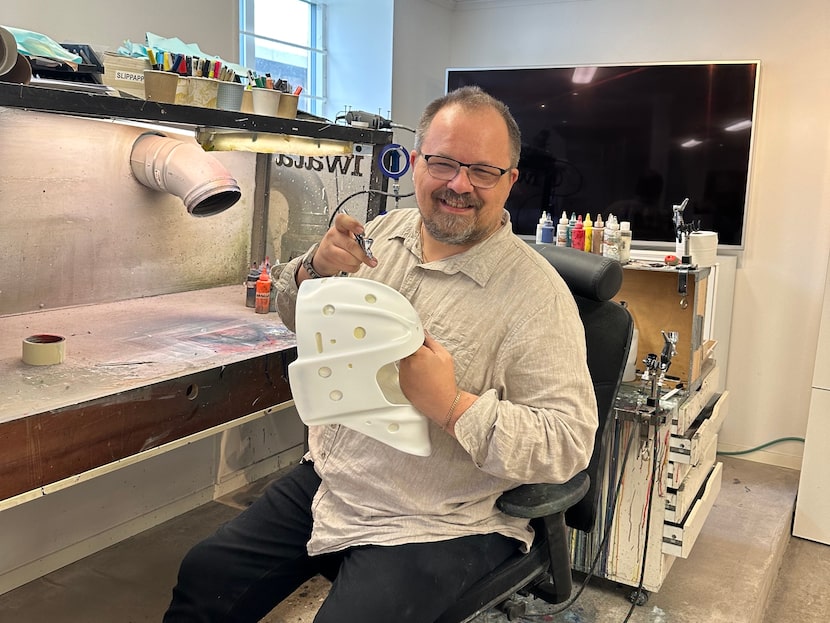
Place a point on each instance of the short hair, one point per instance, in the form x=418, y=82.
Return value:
x=472, y=98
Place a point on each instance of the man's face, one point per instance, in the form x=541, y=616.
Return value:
x=454, y=211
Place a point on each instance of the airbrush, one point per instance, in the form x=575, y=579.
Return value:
x=647, y=408
x=681, y=232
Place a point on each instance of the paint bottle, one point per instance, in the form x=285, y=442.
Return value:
x=250, y=287
x=562, y=231
x=625, y=242
x=547, y=230
x=539, y=226
x=589, y=233
x=263, y=292
x=570, y=229
x=578, y=234
x=599, y=232
x=611, y=239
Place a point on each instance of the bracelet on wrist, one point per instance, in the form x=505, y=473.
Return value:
x=450, y=413
x=307, y=263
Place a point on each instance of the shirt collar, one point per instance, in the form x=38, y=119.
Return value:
x=479, y=263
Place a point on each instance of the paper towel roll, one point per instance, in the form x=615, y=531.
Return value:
x=703, y=247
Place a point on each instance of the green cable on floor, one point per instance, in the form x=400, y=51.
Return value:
x=762, y=446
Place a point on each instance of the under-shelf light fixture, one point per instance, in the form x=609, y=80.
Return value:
x=215, y=139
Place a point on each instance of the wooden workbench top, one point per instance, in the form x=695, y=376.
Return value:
x=116, y=347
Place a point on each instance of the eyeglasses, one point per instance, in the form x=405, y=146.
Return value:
x=480, y=175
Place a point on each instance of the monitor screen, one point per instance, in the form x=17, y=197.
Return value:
x=632, y=140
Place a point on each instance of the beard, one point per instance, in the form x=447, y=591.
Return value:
x=455, y=229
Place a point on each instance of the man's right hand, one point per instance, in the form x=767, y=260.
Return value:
x=339, y=251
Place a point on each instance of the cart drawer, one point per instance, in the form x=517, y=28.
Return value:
x=679, y=500
x=678, y=539
x=692, y=406
x=689, y=447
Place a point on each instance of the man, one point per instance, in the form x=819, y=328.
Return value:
x=501, y=375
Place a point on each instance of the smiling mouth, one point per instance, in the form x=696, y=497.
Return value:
x=456, y=202
x=455, y=205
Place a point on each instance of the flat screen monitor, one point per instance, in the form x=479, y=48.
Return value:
x=632, y=140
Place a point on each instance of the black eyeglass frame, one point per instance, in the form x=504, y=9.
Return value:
x=468, y=165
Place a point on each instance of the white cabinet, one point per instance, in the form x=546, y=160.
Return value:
x=812, y=510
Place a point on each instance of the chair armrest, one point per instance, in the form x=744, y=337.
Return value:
x=540, y=500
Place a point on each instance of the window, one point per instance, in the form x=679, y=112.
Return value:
x=284, y=38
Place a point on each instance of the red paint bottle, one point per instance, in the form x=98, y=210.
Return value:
x=578, y=234
x=263, y=292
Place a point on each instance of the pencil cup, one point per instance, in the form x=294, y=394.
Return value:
x=247, y=101
x=266, y=101
x=229, y=95
x=202, y=92
x=160, y=86
x=288, y=106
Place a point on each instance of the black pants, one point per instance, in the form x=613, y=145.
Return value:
x=259, y=558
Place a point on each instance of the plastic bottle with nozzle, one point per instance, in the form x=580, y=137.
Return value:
x=547, y=230
x=539, y=226
x=263, y=292
x=562, y=231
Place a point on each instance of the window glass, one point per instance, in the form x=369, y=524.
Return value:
x=283, y=38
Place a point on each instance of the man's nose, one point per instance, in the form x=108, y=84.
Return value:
x=461, y=182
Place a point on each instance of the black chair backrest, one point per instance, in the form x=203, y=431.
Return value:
x=594, y=280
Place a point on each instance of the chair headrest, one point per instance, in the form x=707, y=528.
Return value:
x=592, y=276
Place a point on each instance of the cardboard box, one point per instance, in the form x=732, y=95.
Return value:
x=125, y=73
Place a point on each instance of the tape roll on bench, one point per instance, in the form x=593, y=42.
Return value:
x=44, y=349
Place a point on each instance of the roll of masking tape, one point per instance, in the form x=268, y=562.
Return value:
x=44, y=349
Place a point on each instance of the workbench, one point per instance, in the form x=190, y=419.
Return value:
x=137, y=375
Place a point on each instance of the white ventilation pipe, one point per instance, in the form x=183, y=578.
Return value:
x=185, y=170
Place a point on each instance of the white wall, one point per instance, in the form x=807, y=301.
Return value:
x=359, y=42
x=213, y=24
x=779, y=283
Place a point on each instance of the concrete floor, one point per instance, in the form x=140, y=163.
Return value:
x=731, y=576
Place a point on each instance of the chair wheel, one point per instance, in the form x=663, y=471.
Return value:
x=513, y=609
x=638, y=597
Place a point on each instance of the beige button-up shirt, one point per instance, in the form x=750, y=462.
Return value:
x=513, y=330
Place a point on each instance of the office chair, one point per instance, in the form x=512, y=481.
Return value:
x=545, y=571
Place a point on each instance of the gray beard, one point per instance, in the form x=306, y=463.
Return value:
x=444, y=228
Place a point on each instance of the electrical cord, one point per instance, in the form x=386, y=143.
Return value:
x=602, y=546
x=362, y=192
x=762, y=446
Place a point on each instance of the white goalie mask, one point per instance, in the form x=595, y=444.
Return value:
x=351, y=333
